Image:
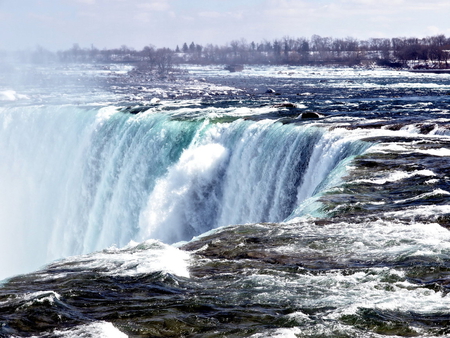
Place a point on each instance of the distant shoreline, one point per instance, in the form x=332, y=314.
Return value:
x=427, y=55
x=434, y=71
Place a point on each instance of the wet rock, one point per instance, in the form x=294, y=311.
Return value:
x=309, y=115
x=136, y=110
x=285, y=105
x=235, y=68
x=426, y=128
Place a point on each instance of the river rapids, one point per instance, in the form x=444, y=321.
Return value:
x=273, y=202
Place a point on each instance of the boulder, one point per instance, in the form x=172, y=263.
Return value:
x=235, y=68
x=134, y=110
x=309, y=115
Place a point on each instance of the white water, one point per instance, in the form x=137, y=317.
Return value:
x=94, y=330
x=74, y=181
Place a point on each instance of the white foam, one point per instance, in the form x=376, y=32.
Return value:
x=94, y=330
x=421, y=210
x=441, y=152
x=29, y=299
x=41, y=297
x=301, y=72
x=376, y=240
x=409, y=148
x=436, y=192
x=11, y=95
x=432, y=181
x=344, y=244
x=134, y=259
x=166, y=214
x=104, y=114
x=397, y=176
x=280, y=333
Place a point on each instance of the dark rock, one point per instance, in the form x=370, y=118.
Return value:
x=235, y=68
x=426, y=128
x=134, y=110
x=309, y=115
x=285, y=105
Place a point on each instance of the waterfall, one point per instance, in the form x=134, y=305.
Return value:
x=75, y=180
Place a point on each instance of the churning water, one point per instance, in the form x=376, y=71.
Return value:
x=211, y=208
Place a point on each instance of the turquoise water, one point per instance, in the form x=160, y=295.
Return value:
x=165, y=212
x=93, y=178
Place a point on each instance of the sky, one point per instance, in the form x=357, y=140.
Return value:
x=59, y=24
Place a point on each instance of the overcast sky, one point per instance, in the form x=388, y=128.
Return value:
x=58, y=24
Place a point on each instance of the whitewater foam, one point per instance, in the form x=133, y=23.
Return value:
x=11, y=95
x=95, y=330
x=132, y=260
x=436, y=192
x=173, y=205
x=396, y=176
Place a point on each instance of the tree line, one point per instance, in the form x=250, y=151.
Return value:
x=433, y=52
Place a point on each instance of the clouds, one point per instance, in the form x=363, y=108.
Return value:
x=136, y=23
x=88, y=2
x=359, y=18
x=154, y=6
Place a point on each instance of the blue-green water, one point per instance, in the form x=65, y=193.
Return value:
x=215, y=211
x=100, y=177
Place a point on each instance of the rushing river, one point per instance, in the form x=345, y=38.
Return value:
x=206, y=206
